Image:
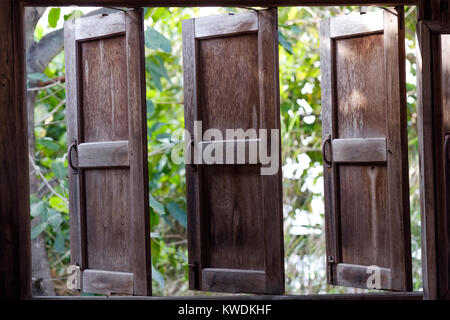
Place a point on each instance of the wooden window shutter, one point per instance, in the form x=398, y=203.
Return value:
x=433, y=69
x=366, y=150
x=106, y=131
x=235, y=223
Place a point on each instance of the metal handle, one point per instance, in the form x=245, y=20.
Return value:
x=192, y=165
x=69, y=156
x=329, y=163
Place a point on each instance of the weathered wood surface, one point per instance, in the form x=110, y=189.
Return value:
x=103, y=154
x=107, y=282
x=363, y=97
x=356, y=276
x=426, y=161
x=352, y=25
x=99, y=26
x=359, y=150
x=235, y=223
x=237, y=23
x=106, y=117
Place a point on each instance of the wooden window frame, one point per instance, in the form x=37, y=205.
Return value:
x=15, y=256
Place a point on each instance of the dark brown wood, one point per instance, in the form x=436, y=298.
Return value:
x=235, y=233
x=426, y=160
x=106, y=114
x=15, y=243
x=434, y=123
x=363, y=96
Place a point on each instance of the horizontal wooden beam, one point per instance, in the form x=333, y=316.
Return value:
x=224, y=280
x=345, y=296
x=103, y=154
x=214, y=3
x=372, y=150
x=356, y=276
x=210, y=26
x=107, y=282
x=234, y=151
x=94, y=27
x=357, y=24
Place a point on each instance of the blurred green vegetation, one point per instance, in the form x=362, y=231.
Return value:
x=301, y=141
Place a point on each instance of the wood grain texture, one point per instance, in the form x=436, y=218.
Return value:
x=94, y=27
x=356, y=276
x=215, y=279
x=427, y=161
x=444, y=198
x=15, y=242
x=237, y=23
x=359, y=150
x=232, y=224
x=103, y=154
x=107, y=282
x=397, y=143
x=367, y=206
x=356, y=25
x=106, y=117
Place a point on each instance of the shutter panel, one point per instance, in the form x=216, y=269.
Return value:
x=365, y=150
x=106, y=128
x=235, y=226
x=433, y=69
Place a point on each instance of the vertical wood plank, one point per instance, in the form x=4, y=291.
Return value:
x=15, y=243
x=139, y=188
x=330, y=173
x=398, y=184
x=426, y=160
x=194, y=223
x=77, y=234
x=270, y=119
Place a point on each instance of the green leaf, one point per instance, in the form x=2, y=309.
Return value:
x=54, y=218
x=58, y=245
x=58, y=204
x=155, y=40
x=58, y=169
x=37, y=209
x=150, y=109
x=53, y=17
x=157, y=206
x=48, y=143
x=285, y=43
x=37, y=229
x=178, y=213
x=158, y=277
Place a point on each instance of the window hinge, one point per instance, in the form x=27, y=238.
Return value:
x=193, y=274
x=330, y=264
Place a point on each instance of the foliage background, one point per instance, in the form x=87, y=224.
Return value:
x=301, y=140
